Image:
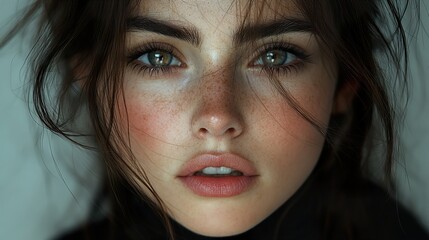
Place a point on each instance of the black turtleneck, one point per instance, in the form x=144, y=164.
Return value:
x=303, y=217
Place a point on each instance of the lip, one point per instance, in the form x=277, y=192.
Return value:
x=227, y=186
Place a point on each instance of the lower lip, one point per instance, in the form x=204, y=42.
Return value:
x=218, y=186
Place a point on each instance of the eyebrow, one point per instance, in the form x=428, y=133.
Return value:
x=245, y=33
x=188, y=34
x=253, y=32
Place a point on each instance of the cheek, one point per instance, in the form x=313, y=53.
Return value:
x=302, y=122
x=289, y=142
x=150, y=122
x=290, y=149
x=288, y=135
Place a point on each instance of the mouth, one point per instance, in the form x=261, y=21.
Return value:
x=211, y=175
x=218, y=172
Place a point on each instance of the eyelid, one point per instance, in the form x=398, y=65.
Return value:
x=143, y=48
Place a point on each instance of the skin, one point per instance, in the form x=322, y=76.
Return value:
x=219, y=101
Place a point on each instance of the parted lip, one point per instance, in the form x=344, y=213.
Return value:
x=230, y=160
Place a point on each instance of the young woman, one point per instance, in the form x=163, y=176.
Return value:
x=236, y=119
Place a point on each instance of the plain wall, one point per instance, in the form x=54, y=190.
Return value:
x=413, y=168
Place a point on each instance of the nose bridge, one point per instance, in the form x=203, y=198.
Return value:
x=218, y=112
x=218, y=90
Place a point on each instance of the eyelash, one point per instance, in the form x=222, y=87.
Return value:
x=151, y=47
x=300, y=55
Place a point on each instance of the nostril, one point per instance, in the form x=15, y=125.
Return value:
x=203, y=131
x=224, y=126
x=230, y=131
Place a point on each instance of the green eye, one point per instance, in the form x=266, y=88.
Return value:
x=159, y=58
x=275, y=57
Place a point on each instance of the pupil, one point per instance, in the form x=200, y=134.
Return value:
x=275, y=57
x=159, y=58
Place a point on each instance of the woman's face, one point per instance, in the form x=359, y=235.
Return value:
x=220, y=144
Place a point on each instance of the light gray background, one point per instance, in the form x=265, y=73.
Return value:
x=41, y=196
x=45, y=182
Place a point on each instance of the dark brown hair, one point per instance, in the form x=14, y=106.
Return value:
x=90, y=35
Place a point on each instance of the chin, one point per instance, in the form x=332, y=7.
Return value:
x=222, y=220
x=221, y=229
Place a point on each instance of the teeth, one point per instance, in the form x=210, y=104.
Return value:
x=217, y=170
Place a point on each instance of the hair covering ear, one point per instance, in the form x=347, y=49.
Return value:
x=79, y=67
x=344, y=96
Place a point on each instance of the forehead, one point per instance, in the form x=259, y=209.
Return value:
x=215, y=12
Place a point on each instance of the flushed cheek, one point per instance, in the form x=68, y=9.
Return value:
x=288, y=145
x=292, y=138
x=278, y=120
x=153, y=122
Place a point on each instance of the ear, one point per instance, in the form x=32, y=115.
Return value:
x=344, y=96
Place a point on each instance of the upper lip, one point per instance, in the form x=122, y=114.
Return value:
x=230, y=160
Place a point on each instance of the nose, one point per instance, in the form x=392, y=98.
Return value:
x=218, y=111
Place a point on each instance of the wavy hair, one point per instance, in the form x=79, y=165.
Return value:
x=91, y=35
